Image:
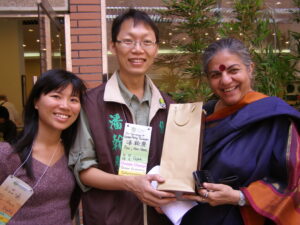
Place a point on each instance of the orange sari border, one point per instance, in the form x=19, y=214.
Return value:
x=280, y=208
x=266, y=201
x=247, y=99
x=250, y=217
x=294, y=157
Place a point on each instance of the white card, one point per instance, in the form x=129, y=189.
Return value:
x=135, y=149
x=13, y=195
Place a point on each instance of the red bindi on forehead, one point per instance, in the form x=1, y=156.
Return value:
x=222, y=68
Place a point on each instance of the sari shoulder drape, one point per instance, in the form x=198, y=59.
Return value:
x=266, y=197
x=248, y=98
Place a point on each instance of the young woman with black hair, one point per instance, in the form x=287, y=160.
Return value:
x=39, y=156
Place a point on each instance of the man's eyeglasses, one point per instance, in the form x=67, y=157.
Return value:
x=128, y=43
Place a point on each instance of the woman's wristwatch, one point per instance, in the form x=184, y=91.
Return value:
x=242, y=201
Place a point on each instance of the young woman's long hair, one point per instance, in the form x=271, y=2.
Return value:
x=51, y=80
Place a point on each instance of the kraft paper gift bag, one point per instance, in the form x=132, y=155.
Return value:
x=182, y=142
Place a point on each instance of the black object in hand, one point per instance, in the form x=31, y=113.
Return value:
x=202, y=176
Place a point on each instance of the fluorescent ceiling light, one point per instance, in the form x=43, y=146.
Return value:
x=37, y=54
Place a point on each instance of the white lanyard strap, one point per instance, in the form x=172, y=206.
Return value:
x=47, y=167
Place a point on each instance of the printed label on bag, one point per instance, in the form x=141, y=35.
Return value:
x=13, y=195
x=135, y=149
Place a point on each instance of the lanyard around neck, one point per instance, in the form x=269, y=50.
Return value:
x=45, y=170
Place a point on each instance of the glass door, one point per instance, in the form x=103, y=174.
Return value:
x=51, y=29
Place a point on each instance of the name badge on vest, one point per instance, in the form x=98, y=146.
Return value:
x=135, y=149
x=13, y=195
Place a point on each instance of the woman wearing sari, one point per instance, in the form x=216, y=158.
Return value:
x=251, y=148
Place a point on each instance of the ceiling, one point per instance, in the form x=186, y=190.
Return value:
x=223, y=3
x=279, y=8
x=31, y=39
x=116, y=7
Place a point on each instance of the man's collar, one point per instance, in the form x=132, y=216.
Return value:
x=112, y=93
x=128, y=96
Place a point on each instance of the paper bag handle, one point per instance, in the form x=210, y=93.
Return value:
x=181, y=119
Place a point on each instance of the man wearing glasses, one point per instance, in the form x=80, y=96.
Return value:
x=121, y=133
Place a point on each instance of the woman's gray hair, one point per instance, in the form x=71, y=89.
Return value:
x=234, y=46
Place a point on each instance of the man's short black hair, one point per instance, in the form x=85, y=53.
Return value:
x=137, y=16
